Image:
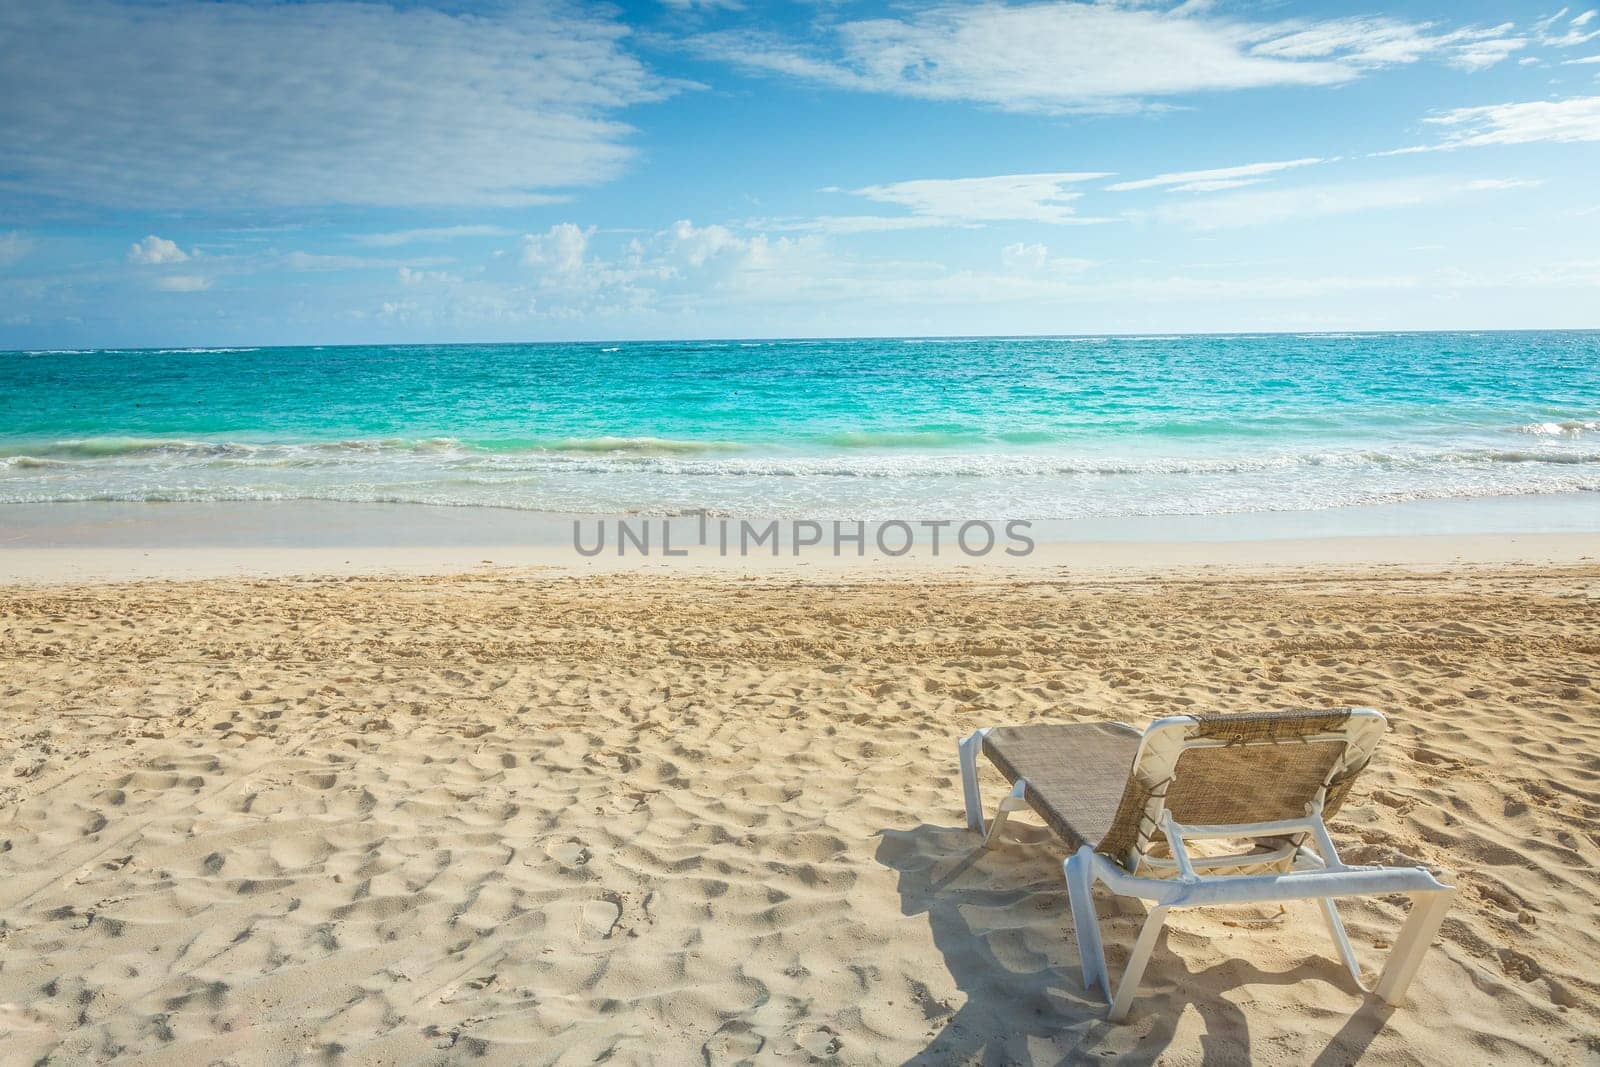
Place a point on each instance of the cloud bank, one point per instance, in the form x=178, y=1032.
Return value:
x=1213, y=180
x=1562, y=121
x=1020, y=197
x=1095, y=57
x=182, y=103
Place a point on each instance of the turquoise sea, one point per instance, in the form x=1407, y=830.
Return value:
x=1037, y=427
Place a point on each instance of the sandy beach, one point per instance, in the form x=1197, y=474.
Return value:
x=533, y=816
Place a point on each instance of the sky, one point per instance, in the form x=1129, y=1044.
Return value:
x=195, y=173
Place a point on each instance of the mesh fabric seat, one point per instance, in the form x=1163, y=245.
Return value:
x=1073, y=773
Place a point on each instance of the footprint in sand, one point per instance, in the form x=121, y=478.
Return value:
x=569, y=853
x=100, y=870
x=628, y=802
x=821, y=1043
x=599, y=918
x=732, y=1044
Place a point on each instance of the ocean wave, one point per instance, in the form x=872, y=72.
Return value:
x=1000, y=465
x=194, y=351
x=1331, y=335
x=1517, y=456
x=633, y=445
x=195, y=449
x=1560, y=428
x=926, y=454
x=28, y=463
x=666, y=504
x=111, y=447
x=387, y=444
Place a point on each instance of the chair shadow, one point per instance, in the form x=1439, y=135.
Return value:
x=1039, y=1012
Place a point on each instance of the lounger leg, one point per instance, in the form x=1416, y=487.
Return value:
x=968, y=748
x=1427, y=912
x=1012, y=801
x=1079, y=870
x=1341, y=941
x=1136, y=963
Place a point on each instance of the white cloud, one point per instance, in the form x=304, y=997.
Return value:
x=1481, y=55
x=429, y=233
x=710, y=280
x=1021, y=197
x=1214, y=185
x=1368, y=41
x=408, y=276
x=1025, y=256
x=1563, y=121
x=182, y=283
x=155, y=250
x=1032, y=257
x=1550, y=34
x=698, y=245
x=1572, y=39
x=13, y=246
x=1270, y=206
x=1073, y=56
x=1578, y=62
x=1201, y=181
x=560, y=250
x=188, y=103
x=954, y=202
x=1542, y=26
x=681, y=265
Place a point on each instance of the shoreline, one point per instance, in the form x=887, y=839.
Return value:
x=59, y=567
x=50, y=544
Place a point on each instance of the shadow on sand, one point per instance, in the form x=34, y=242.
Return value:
x=1000, y=920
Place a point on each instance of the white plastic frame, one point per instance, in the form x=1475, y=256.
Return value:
x=1193, y=881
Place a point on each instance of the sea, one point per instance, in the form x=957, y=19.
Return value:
x=1033, y=427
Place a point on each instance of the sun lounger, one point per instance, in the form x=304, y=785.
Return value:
x=1129, y=805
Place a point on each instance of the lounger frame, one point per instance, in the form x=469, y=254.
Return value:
x=1298, y=861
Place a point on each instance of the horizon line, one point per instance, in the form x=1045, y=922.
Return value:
x=1111, y=335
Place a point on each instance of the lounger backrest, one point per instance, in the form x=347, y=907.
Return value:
x=1213, y=770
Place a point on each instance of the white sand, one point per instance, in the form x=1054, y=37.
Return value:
x=544, y=818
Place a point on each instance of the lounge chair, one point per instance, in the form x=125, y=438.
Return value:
x=1129, y=804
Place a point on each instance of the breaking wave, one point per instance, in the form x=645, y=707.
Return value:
x=848, y=455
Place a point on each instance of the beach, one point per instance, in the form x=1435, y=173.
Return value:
x=555, y=703
x=531, y=814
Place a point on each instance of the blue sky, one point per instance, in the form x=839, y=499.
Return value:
x=178, y=172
